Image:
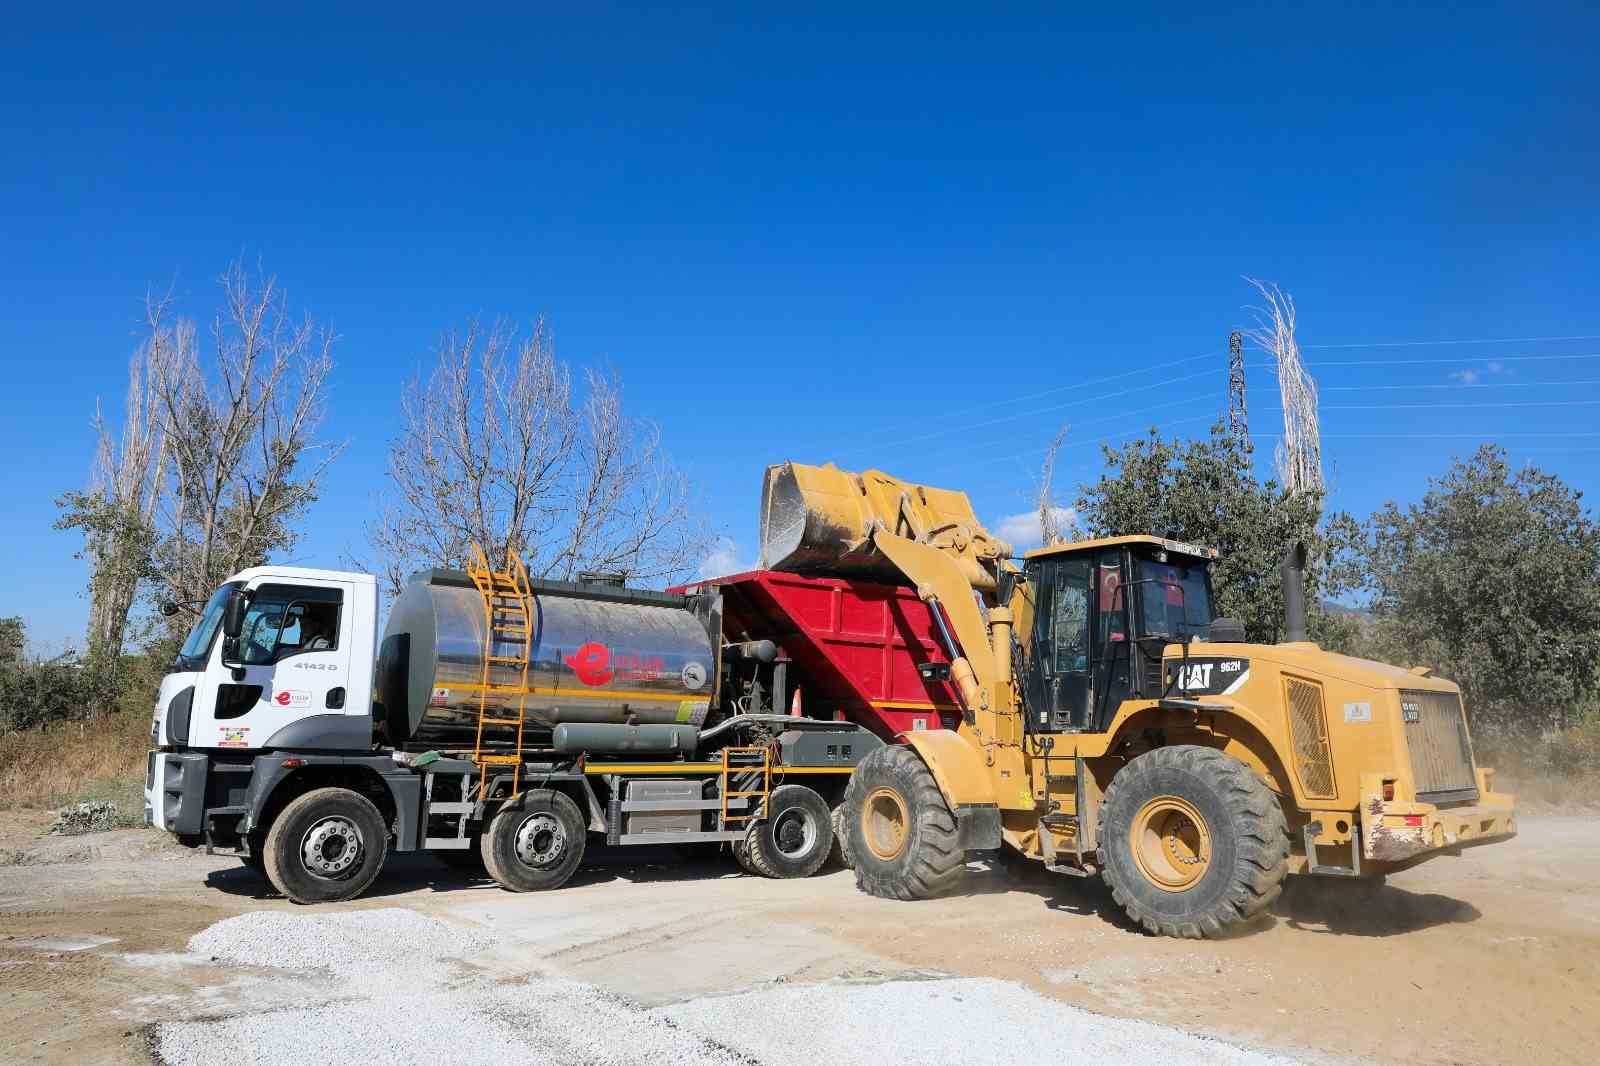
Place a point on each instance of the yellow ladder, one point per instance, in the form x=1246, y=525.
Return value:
x=508, y=610
x=741, y=761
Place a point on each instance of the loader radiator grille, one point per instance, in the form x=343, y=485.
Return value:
x=1308, y=726
x=1441, y=754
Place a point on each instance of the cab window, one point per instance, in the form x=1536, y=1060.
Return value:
x=284, y=620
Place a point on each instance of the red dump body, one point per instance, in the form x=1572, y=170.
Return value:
x=856, y=646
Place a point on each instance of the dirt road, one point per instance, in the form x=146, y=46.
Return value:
x=1490, y=958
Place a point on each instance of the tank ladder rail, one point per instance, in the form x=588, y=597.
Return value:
x=745, y=762
x=507, y=623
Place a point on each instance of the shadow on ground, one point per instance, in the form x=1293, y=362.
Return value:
x=1366, y=908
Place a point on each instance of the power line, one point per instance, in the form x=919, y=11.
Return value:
x=1482, y=340
x=1453, y=361
x=948, y=428
x=1457, y=385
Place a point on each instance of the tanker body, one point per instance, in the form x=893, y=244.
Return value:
x=599, y=654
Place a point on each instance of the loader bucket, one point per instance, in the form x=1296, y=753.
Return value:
x=820, y=519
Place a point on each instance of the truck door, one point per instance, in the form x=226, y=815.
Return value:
x=1059, y=676
x=291, y=662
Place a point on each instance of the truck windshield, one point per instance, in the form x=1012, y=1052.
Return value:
x=192, y=656
x=1174, y=597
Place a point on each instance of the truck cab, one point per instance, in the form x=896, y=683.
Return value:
x=297, y=676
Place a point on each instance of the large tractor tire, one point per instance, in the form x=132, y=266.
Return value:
x=793, y=840
x=535, y=843
x=902, y=834
x=1192, y=842
x=326, y=846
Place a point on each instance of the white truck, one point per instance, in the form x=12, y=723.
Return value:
x=499, y=721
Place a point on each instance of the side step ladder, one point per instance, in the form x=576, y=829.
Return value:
x=508, y=636
x=738, y=766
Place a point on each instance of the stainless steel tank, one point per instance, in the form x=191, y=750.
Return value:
x=600, y=654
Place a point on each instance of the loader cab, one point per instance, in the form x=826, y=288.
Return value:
x=1103, y=612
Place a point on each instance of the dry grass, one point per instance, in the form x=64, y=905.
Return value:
x=70, y=762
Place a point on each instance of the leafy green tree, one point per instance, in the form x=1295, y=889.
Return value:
x=13, y=639
x=1493, y=579
x=1206, y=492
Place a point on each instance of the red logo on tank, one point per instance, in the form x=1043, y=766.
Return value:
x=592, y=663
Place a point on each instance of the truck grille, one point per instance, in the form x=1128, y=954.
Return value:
x=1441, y=754
x=1308, y=725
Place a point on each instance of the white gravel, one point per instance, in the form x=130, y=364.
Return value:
x=951, y=1020
x=397, y=997
x=352, y=943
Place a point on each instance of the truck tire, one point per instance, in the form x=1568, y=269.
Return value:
x=902, y=834
x=841, y=838
x=741, y=855
x=535, y=843
x=1192, y=842
x=794, y=839
x=325, y=846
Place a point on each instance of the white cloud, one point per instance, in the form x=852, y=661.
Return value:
x=723, y=559
x=1023, y=531
x=1465, y=377
x=1496, y=366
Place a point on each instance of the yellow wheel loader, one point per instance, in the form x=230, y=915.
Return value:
x=1110, y=723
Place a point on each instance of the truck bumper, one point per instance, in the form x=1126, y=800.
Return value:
x=1398, y=834
x=175, y=791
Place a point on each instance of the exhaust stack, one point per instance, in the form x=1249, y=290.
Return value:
x=1293, y=573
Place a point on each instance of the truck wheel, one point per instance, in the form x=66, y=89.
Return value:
x=534, y=843
x=841, y=838
x=902, y=834
x=1192, y=842
x=794, y=839
x=325, y=846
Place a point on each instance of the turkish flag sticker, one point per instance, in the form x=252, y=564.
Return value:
x=592, y=663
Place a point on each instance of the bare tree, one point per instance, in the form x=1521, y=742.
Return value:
x=117, y=513
x=1054, y=525
x=245, y=461
x=495, y=450
x=1300, y=452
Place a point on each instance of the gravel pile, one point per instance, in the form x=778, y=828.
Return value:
x=95, y=816
x=399, y=1000
x=358, y=942
x=911, y=1023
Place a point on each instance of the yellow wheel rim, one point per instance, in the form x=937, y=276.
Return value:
x=1171, y=843
x=885, y=823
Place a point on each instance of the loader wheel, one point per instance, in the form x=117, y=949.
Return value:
x=535, y=842
x=1192, y=842
x=841, y=839
x=902, y=834
x=794, y=839
x=325, y=846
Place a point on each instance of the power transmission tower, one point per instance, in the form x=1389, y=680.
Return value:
x=1238, y=420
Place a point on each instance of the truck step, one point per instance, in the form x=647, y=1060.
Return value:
x=446, y=843
x=452, y=807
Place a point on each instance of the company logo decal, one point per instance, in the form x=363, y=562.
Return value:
x=1208, y=677
x=292, y=697
x=234, y=737
x=592, y=663
x=694, y=675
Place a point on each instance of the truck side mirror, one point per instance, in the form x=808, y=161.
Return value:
x=233, y=614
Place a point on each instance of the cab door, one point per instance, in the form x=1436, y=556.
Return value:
x=290, y=662
x=1060, y=676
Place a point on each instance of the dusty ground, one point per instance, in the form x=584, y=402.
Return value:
x=1493, y=957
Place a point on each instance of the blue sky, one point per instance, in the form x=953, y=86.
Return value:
x=914, y=239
